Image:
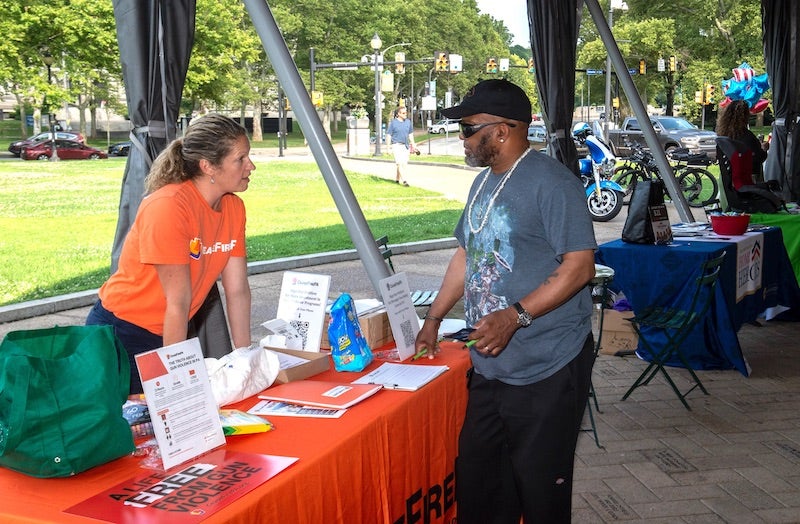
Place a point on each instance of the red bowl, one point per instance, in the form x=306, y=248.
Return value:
x=730, y=224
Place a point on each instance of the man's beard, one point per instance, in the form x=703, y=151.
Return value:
x=484, y=154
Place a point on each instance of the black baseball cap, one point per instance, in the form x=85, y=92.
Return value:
x=495, y=97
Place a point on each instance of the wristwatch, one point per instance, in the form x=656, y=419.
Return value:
x=524, y=319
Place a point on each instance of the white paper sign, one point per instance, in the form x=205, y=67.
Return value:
x=302, y=303
x=182, y=407
x=402, y=316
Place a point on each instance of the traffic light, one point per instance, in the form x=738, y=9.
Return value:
x=710, y=88
x=642, y=67
x=491, y=66
x=442, y=61
x=317, y=98
x=673, y=64
x=400, y=65
x=531, y=68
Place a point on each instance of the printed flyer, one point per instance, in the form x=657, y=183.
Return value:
x=182, y=406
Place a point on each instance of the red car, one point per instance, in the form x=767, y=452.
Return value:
x=16, y=147
x=67, y=150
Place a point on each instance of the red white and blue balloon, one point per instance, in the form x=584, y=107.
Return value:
x=746, y=85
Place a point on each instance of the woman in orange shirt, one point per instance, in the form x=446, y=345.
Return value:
x=189, y=230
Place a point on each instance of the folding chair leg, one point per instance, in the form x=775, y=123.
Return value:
x=593, y=429
x=592, y=396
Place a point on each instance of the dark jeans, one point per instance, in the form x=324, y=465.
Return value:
x=134, y=338
x=516, y=450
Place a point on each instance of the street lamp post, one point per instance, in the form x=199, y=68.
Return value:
x=47, y=58
x=615, y=4
x=375, y=44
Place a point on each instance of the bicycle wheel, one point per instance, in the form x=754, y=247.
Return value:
x=698, y=186
x=627, y=179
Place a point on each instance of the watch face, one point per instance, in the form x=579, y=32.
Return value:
x=525, y=319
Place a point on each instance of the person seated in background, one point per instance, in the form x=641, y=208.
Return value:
x=733, y=123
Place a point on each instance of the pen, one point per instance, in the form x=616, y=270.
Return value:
x=420, y=353
x=470, y=343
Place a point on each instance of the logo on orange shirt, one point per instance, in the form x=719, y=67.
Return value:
x=195, y=248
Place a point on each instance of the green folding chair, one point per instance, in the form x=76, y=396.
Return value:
x=676, y=324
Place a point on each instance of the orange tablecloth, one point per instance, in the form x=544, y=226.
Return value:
x=389, y=459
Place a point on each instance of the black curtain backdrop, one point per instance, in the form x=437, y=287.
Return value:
x=554, y=36
x=155, y=40
x=779, y=21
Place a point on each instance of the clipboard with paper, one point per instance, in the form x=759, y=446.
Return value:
x=402, y=377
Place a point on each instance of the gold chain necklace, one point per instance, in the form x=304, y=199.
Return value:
x=495, y=193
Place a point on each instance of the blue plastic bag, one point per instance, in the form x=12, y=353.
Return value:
x=349, y=348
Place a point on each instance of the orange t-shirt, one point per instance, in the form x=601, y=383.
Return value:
x=174, y=225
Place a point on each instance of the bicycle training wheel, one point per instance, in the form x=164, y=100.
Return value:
x=698, y=186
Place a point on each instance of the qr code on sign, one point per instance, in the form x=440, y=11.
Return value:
x=408, y=333
x=302, y=328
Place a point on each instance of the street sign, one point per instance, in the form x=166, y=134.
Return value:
x=344, y=66
x=595, y=71
x=633, y=71
x=428, y=103
x=387, y=81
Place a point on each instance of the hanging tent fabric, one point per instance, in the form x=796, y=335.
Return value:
x=155, y=40
x=780, y=22
x=554, y=38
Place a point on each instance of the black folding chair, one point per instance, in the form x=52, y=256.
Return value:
x=420, y=298
x=675, y=324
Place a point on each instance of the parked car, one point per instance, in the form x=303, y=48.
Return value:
x=444, y=126
x=672, y=133
x=119, y=149
x=537, y=136
x=67, y=150
x=16, y=147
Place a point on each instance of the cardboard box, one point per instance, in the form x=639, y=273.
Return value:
x=317, y=363
x=374, y=326
x=618, y=334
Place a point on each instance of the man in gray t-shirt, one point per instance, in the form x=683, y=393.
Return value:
x=525, y=258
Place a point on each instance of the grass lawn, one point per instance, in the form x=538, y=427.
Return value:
x=58, y=219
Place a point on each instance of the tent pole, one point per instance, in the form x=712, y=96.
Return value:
x=639, y=110
x=318, y=141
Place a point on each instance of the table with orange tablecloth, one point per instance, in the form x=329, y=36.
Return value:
x=390, y=458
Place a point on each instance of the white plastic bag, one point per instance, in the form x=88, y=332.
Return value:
x=241, y=373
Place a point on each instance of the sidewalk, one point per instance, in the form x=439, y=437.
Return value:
x=734, y=458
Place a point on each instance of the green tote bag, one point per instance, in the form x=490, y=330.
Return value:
x=61, y=396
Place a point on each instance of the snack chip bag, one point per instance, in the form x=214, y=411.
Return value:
x=349, y=348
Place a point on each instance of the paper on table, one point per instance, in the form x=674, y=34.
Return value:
x=288, y=361
x=286, y=409
x=404, y=377
x=321, y=393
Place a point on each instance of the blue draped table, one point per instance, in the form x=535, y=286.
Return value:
x=666, y=275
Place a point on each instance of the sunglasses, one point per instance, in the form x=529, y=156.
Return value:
x=470, y=129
